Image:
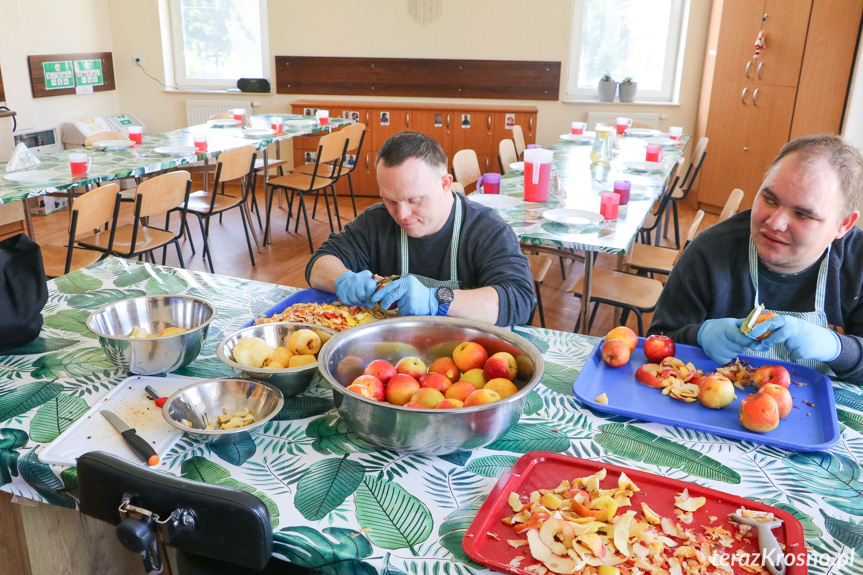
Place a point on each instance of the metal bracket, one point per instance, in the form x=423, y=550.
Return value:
x=142, y=531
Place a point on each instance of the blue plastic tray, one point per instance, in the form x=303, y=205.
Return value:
x=302, y=296
x=806, y=428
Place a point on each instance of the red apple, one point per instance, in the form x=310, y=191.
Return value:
x=469, y=355
x=771, y=374
x=716, y=392
x=373, y=384
x=381, y=369
x=501, y=364
x=447, y=367
x=649, y=375
x=412, y=366
x=437, y=381
x=615, y=353
x=502, y=386
x=428, y=396
x=481, y=397
x=625, y=335
x=781, y=395
x=759, y=412
x=361, y=390
x=416, y=405
x=450, y=404
x=658, y=347
x=460, y=390
x=400, y=389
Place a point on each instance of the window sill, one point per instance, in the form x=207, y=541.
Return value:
x=619, y=103
x=231, y=92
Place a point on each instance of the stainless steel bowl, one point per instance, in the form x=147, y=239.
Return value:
x=291, y=381
x=114, y=322
x=204, y=401
x=429, y=431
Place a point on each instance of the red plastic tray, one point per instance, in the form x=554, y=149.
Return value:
x=543, y=470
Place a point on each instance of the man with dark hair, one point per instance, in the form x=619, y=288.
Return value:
x=454, y=256
x=797, y=251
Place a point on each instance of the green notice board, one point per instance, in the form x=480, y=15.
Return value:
x=58, y=75
x=88, y=72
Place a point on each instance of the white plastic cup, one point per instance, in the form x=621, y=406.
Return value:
x=675, y=132
x=277, y=124
x=136, y=134
x=323, y=117
x=200, y=139
x=238, y=114
x=578, y=128
x=79, y=164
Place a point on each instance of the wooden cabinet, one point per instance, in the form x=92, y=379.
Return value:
x=756, y=105
x=454, y=126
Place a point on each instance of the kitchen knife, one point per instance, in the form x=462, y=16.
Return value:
x=138, y=444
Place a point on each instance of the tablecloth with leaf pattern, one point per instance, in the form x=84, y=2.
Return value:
x=342, y=505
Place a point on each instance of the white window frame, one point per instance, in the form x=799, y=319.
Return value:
x=179, y=64
x=673, y=66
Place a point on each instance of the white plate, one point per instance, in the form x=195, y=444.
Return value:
x=222, y=122
x=258, y=132
x=665, y=142
x=130, y=402
x=642, y=132
x=572, y=217
x=609, y=186
x=32, y=176
x=114, y=144
x=176, y=150
x=517, y=166
x=578, y=138
x=644, y=166
x=301, y=122
x=494, y=200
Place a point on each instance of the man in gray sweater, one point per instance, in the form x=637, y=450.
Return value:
x=797, y=251
x=454, y=257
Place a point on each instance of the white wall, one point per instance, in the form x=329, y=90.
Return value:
x=30, y=28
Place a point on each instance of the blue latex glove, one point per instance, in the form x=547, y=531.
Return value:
x=355, y=288
x=412, y=297
x=722, y=339
x=803, y=340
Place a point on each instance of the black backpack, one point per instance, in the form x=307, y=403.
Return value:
x=23, y=291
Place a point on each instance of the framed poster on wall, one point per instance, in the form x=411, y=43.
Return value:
x=62, y=74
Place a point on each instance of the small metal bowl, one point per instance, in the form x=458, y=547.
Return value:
x=427, y=431
x=114, y=322
x=290, y=381
x=205, y=401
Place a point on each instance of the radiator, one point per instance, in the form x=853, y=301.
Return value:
x=641, y=120
x=199, y=111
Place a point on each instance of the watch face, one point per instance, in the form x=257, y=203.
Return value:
x=444, y=295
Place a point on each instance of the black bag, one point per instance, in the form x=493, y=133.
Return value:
x=23, y=291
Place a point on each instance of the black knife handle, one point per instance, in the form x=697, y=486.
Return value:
x=140, y=446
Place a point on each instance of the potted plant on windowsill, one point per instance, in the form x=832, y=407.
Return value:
x=607, y=88
x=628, y=88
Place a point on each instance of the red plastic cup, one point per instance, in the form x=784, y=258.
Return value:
x=323, y=117
x=578, y=128
x=136, y=134
x=79, y=164
x=609, y=205
x=200, y=142
x=238, y=114
x=623, y=124
x=654, y=153
x=490, y=183
x=622, y=188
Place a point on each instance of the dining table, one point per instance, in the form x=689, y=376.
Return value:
x=428, y=501
x=157, y=153
x=570, y=220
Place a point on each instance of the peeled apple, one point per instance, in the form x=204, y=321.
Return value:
x=252, y=352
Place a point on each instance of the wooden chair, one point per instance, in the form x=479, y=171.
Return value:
x=238, y=165
x=457, y=187
x=102, y=136
x=158, y=195
x=465, y=168
x=654, y=218
x=222, y=116
x=731, y=205
x=506, y=155
x=355, y=133
x=539, y=266
x=686, y=184
x=647, y=259
x=331, y=150
x=518, y=139
x=91, y=211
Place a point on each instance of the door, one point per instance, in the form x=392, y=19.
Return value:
x=723, y=170
x=386, y=122
x=786, y=25
x=473, y=130
x=741, y=22
x=436, y=124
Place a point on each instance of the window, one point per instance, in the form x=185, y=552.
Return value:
x=628, y=38
x=216, y=42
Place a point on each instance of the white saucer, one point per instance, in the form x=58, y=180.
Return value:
x=572, y=217
x=642, y=132
x=223, y=123
x=644, y=166
x=584, y=138
x=114, y=144
x=494, y=200
x=664, y=142
x=31, y=176
x=609, y=186
x=176, y=150
x=301, y=122
x=517, y=166
x=258, y=132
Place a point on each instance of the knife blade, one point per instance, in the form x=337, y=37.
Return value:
x=138, y=444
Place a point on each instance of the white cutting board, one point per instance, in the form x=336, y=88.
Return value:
x=92, y=432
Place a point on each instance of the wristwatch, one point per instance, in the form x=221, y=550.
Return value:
x=444, y=297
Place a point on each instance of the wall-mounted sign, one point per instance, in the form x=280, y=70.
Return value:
x=88, y=72
x=58, y=75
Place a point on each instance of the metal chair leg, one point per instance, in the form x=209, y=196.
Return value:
x=336, y=207
x=247, y=225
x=353, y=198
x=536, y=288
x=306, y=218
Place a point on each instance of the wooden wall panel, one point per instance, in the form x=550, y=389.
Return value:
x=37, y=75
x=495, y=79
